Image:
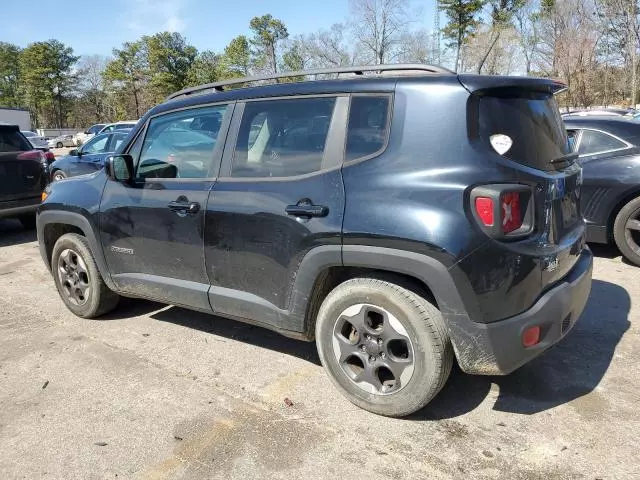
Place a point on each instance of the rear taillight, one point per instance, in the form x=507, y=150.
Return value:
x=504, y=210
x=484, y=210
x=32, y=155
x=50, y=157
x=511, y=215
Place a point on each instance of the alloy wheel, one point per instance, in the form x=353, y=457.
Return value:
x=74, y=277
x=373, y=349
x=632, y=231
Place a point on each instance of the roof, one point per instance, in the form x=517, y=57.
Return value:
x=353, y=84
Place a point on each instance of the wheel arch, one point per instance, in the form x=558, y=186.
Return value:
x=417, y=272
x=51, y=225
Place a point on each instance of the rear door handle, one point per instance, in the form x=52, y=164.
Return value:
x=307, y=209
x=184, y=208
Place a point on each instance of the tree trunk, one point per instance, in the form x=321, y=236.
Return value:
x=135, y=97
x=458, y=47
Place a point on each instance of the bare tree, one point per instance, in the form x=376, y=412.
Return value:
x=527, y=32
x=378, y=26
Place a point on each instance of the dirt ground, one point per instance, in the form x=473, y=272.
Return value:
x=160, y=392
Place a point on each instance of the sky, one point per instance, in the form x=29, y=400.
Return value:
x=94, y=27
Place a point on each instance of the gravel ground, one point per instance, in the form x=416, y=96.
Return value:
x=160, y=392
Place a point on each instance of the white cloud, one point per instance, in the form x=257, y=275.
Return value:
x=151, y=16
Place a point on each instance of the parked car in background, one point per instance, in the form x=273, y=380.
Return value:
x=61, y=141
x=36, y=140
x=345, y=213
x=609, y=150
x=83, y=137
x=23, y=176
x=128, y=124
x=602, y=112
x=89, y=157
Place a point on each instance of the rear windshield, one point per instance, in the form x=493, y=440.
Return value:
x=532, y=122
x=12, y=141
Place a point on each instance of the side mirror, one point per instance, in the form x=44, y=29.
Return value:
x=75, y=153
x=119, y=168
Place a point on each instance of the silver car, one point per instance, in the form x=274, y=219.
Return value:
x=61, y=141
x=36, y=140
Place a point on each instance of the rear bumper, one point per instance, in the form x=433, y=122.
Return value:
x=15, y=208
x=496, y=348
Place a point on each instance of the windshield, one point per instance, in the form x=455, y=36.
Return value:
x=533, y=125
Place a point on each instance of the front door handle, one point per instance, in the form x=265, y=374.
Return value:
x=304, y=208
x=184, y=208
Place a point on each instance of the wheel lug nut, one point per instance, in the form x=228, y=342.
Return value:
x=363, y=348
x=383, y=355
x=368, y=337
x=372, y=358
x=379, y=341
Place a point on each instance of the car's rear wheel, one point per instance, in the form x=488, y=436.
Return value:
x=626, y=231
x=58, y=175
x=384, y=346
x=59, y=145
x=78, y=279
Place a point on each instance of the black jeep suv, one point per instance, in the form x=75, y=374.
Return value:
x=24, y=173
x=399, y=220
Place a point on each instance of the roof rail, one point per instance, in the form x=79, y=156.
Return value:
x=357, y=70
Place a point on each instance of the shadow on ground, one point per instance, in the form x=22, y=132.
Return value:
x=567, y=371
x=13, y=233
x=571, y=369
x=242, y=332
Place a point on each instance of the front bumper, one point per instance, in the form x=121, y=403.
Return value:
x=496, y=348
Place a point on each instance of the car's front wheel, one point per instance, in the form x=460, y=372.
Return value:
x=59, y=145
x=626, y=231
x=384, y=346
x=78, y=279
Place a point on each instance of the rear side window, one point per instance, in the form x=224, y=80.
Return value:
x=12, y=141
x=533, y=124
x=593, y=142
x=282, y=138
x=368, y=126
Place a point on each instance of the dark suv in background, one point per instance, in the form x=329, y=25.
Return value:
x=400, y=221
x=24, y=173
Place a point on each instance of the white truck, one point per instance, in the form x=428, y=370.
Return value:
x=16, y=116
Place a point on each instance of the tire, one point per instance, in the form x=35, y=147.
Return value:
x=384, y=304
x=57, y=176
x=626, y=231
x=28, y=221
x=59, y=145
x=97, y=298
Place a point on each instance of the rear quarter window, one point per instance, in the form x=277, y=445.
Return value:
x=533, y=123
x=12, y=141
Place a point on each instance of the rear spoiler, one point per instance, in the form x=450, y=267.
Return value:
x=486, y=85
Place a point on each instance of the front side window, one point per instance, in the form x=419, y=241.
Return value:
x=96, y=145
x=593, y=142
x=180, y=144
x=282, y=138
x=368, y=126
